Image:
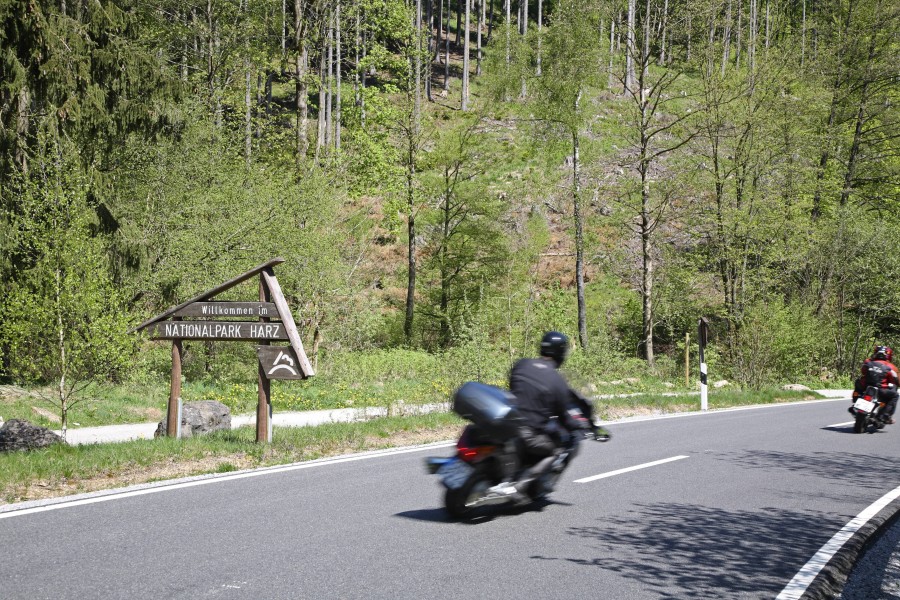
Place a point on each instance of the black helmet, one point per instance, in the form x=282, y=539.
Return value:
x=555, y=345
x=881, y=353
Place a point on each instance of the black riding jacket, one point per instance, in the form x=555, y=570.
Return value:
x=541, y=393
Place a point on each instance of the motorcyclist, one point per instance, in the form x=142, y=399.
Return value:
x=878, y=370
x=541, y=396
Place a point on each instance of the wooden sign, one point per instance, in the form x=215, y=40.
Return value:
x=279, y=362
x=229, y=309
x=275, y=322
x=216, y=330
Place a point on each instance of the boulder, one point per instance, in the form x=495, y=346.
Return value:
x=198, y=418
x=721, y=383
x=18, y=434
x=795, y=387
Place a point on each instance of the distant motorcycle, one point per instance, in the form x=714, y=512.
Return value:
x=488, y=448
x=868, y=411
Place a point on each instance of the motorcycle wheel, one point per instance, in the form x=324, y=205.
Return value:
x=459, y=502
x=860, y=425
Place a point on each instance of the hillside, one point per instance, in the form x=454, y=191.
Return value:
x=613, y=172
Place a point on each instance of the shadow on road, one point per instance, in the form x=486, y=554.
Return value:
x=832, y=466
x=483, y=515
x=680, y=551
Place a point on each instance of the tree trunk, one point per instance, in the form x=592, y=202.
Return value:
x=540, y=18
x=647, y=264
x=579, y=243
x=23, y=127
x=490, y=30
x=320, y=130
x=853, y=158
x=337, y=68
x=329, y=87
x=411, y=249
x=63, y=364
x=726, y=39
x=478, y=49
x=740, y=32
x=803, y=38
x=248, y=114
x=447, y=51
x=301, y=87
x=418, y=61
x=611, y=80
x=464, y=103
x=665, y=24
x=429, y=19
x=630, y=45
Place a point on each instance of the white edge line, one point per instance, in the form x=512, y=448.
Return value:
x=718, y=411
x=626, y=470
x=840, y=424
x=801, y=581
x=215, y=478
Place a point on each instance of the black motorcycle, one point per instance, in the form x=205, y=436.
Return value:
x=868, y=411
x=489, y=448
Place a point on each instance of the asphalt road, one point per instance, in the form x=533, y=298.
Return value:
x=756, y=495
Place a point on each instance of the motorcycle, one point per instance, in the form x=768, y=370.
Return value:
x=488, y=448
x=868, y=411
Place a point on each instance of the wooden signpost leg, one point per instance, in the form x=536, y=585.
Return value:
x=174, y=391
x=262, y=407
x=264, y=404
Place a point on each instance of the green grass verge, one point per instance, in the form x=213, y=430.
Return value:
x=62, y=470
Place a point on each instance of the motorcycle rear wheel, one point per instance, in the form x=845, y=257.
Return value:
x=460, y=502
x=860, y=425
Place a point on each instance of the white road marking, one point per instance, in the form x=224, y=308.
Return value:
x=797, y=586
x=626, y=470
x=840, y=424
x=207, y=479
x=718, y=411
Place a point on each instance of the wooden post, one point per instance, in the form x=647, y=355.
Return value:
x=264, y=387
x=702, y=334
x=174, y=390
x=687, y=360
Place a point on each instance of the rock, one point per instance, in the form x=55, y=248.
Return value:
x=721, y=383
x=795, y=387
x=49, y=415
x=18, y=434
x=198, y=418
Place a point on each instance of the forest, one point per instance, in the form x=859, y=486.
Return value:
x=448, y=180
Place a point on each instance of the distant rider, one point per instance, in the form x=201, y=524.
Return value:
x=880, y=372
x=541, y=394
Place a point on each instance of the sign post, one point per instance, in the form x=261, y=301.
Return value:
x=702, y=333
x=193, y=320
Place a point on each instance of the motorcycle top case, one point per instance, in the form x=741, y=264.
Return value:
x=488, y=407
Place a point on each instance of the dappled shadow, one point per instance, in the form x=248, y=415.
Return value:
x=833, y=466
x=681, y=551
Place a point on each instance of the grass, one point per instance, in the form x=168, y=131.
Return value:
x=63, y=470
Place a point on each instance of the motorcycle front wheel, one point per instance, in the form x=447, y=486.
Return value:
x=462, y=501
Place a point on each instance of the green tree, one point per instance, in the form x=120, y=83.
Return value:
x=64, y=319
x=569, y=71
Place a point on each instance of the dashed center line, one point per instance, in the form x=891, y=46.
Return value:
x=628, y=469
